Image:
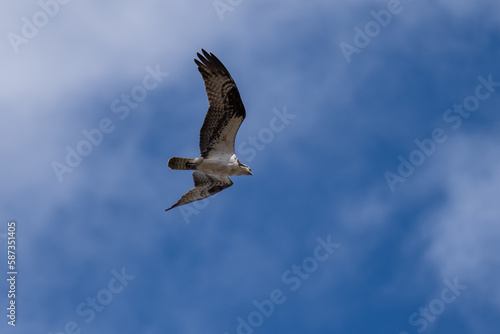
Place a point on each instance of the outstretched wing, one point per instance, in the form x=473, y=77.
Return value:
x=204, y=186
x=226, y=111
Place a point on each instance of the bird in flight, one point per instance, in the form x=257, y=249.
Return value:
x=225, y=114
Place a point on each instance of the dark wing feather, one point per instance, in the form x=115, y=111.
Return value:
x=204, y=186
x=226, y=111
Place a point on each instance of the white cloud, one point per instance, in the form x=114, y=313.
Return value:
x=465, y=8
x=465, y=232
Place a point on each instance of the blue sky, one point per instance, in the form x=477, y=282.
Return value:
x=374, y=202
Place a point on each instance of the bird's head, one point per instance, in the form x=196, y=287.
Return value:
x=245, y=169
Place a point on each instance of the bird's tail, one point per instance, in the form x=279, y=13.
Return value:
x=181, y=163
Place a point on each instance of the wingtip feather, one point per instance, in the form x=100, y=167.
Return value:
x=206, y=54
x=173, y=206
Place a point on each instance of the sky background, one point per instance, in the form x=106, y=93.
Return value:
x=417, y=254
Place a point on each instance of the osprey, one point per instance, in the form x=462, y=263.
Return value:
x=225, y=114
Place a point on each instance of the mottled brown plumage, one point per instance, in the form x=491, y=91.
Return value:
x=226, y=111
x=204, y=186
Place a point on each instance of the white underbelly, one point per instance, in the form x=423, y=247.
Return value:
x=216, y=167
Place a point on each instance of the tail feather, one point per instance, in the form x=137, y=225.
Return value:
x=181, y=163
